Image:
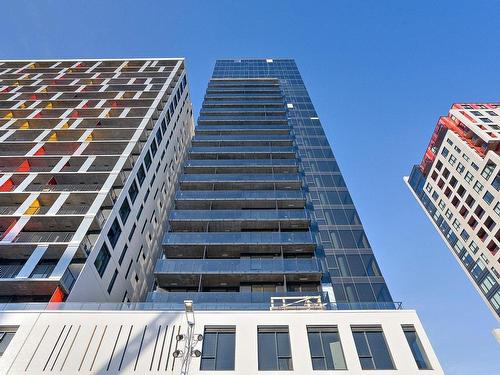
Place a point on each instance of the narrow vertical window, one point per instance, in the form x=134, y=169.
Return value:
x=372, y=348
x=218, y=349
x=102, y=259
x=274, y=349
x=326, y=349
x=416, y=348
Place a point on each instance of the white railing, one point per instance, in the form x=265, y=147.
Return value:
x=297, y=303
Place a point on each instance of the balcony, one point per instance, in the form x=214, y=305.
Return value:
x=193, y=244
x=227, y=300
x=37, y=237
x=240, y=181
x=249, y=152
x=236, y=220
x=235, y=165
x=232, y=199
x=242, y=129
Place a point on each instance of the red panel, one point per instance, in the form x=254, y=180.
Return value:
x=7, y=185
x=24, y=167
x=41, y=151
x=57, y=296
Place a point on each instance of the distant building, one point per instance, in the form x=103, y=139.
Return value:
x=89, y=151
x=457, y=184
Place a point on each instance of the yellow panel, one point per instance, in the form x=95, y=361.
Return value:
x=23, y=106
x=53, y=137
x=34, y=208
x=89, y=138
x=49, y=105
x=25, y=125
x=9, y=115
x=65, y=126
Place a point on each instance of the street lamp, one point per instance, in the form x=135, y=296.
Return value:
x=190, y=340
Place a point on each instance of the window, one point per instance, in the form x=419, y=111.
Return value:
x=478, y=186
x=416, y=348
x=456, y=224
x=428, y=187
x=452, y=160
x=468, y=177
x=488, y=197
x=474, y=165
x=372, y=348
x=124, y=211
x=147, y=160
x=141, y=175
x=153, y=148
x=448, y=214
x=495, y=300
x=326, y=348
x=460, y=168
x=6, y=336
x=274, y=348
x=133, y=191
x=122, y=255
x=114, y=233
x=112, y=282
x=441, y=204
x=444, y=152
x=473, y=247
x=218, y=349
x=102, y=259
x=487, y=284
x=488, y=170
x=464, y=235
x=497, y=209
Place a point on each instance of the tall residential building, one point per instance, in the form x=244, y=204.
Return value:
x=457, y=184
x=264, y=264
x=262, y=209
x=89, y=151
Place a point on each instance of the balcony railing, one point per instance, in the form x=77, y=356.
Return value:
x=240, y=195
x=237, y=266
x=237, y=215
x=238, y=238
x=35, y=237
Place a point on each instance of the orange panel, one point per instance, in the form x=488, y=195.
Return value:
x=57, y=296
x=41, y=151
x=24, y=167
x=7, y=185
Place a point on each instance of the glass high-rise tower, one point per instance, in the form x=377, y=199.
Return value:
x=262, y=208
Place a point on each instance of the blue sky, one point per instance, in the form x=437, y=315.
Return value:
x=379, y=73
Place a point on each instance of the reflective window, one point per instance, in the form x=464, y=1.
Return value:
x=6, y=336
x=114, y=233
x=416, y=348
x=372, y=348
x=274, y=349
x=133, y=191
x=124, y=211
x=102, y=259
x=218, y=349
x=326, y=348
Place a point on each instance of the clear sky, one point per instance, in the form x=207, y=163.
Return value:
x=379, y=72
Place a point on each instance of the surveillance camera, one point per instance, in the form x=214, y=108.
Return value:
x=180, y=337
x=177, y=354
x=196, y=353
x=199, y=337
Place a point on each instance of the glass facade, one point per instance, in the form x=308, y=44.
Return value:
x=262, y=206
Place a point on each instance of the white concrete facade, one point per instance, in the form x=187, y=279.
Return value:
x=126, y=342
x=76, y=135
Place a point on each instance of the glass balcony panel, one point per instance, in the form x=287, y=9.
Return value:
x=237, y=266
x=237, y=238
x=236, y=215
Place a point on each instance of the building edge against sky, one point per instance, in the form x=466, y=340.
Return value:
x=265, y=239
x=457, y=184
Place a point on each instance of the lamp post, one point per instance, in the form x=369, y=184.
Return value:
x=190, y=340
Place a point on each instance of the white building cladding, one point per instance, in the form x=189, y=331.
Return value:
x=250, y=342
x=458, y=185
x=89, y=152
